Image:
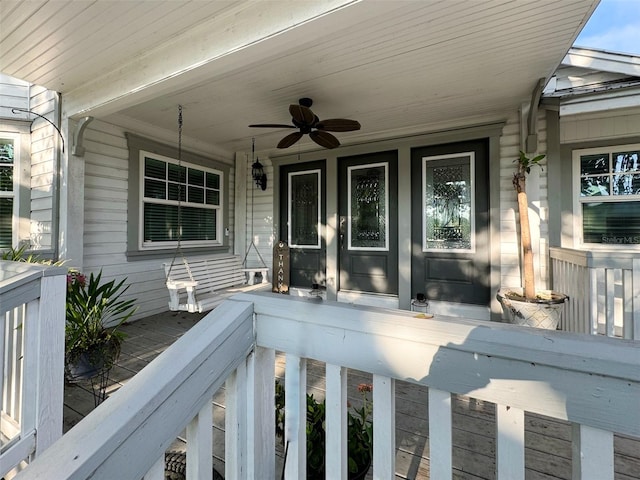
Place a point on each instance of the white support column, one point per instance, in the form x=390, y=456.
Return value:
x=440, y=425
x=337, y=460
x=200, y=444
x=509, y=443
x=240, y=242
x=261, y=433
x=384, y=430
x=592, y=453
x=295, y=437
x=71, y=227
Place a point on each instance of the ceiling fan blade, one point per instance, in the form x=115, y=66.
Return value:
x=302, y=115
x=338, y=125
x=324, y=139
x=271, y=125
x=290, y=139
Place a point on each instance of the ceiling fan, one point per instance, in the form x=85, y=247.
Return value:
x=308, y=123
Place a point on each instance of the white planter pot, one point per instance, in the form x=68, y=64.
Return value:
x=543, y=312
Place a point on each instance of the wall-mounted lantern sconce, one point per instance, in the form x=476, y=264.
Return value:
x=257, y=172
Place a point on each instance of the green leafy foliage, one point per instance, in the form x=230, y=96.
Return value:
x=20, y=255
x=359, y=433
x=91, y=304
x=525, y=163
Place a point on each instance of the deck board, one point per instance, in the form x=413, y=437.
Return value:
x=547, y=441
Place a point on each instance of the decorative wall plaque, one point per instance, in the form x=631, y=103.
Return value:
x=280, y=277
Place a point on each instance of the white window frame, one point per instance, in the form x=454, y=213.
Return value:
x=472, y=221
x=386, y=207
x=319, y=220
x=14, y=194
x=578, y=200
x=142, y=245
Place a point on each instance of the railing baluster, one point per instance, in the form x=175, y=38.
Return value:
x=295, y=384
x=384, y=431
x=200, y=444
x=635, y=325
x=261, y=405
x=235, y=432
x=592, y=450
x=593, y=307
x=440, y=425
x=610, y=292
x=157, y=471
x=336, y=421
x=5, y=380
x=509, y=443
x=627, y=304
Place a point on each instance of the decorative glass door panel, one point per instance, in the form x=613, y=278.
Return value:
x=448, y=193
x=304, y=209
x=450, y=222
x=368, y=207
x=302, y=221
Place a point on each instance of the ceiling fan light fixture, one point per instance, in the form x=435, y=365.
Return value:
x=308, y=123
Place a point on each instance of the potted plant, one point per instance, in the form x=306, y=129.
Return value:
x=359, y=434
x=91, y=347
x=528, y=306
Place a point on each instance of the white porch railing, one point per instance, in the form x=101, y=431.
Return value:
x=603, y=289
x=32, y=304
x=592, y=381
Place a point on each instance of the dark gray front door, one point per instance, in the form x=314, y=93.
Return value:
x=303, y=214
x=368, y=192
x=450, y=222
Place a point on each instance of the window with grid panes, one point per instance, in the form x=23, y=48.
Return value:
x=180, y=200
x=7, y=200
x=609, y=195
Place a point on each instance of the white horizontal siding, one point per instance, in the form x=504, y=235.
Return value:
x=14, y=93
x=263, y=218
x=45, y=145
x=106, y=218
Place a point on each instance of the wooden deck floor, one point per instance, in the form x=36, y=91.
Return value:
x=548, y=441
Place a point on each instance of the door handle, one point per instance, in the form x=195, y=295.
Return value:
x=343, y=223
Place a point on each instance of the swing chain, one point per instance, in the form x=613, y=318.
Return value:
x=178, y=246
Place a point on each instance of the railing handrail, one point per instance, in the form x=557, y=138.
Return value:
x=464, y=357
x=124, y=436
x=18, y=282
x=612, y=258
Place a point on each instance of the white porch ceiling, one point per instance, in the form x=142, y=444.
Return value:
x=398, y=66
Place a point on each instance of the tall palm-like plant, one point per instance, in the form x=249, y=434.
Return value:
x=519, y=183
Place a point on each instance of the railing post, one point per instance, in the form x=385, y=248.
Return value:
x=44, y=362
